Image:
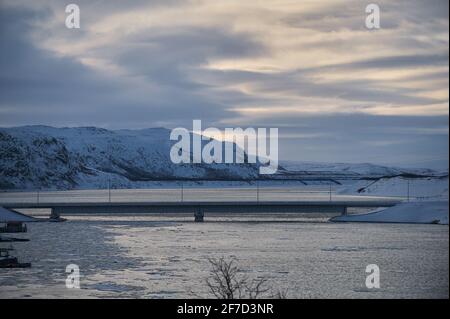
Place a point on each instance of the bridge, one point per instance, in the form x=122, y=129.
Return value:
x=196, y=201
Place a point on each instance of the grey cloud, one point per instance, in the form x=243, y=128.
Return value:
x=43, y=88
x=302, y=83
x=401, y=61
x=37, y=87
x=403, y=141
x=168, y=56
x=351, y=15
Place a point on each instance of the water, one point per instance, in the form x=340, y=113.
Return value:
x=167, y=257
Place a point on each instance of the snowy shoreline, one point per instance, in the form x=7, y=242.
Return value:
x=435, y=212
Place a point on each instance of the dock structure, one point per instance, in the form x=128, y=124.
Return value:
x=14, y=223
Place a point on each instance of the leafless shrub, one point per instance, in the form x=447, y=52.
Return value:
x=226, y=281
x=280, y=294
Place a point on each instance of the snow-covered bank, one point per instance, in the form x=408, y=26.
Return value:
x=7, y=215
x=412, y=212
x=428, y=188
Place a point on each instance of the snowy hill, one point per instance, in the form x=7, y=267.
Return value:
x=42, y=157
x=365, y=170
x=88, y=157
x=413, y=212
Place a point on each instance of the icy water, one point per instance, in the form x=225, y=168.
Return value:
x=156, y=257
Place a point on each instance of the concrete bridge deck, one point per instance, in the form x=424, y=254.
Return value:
x=195, y=201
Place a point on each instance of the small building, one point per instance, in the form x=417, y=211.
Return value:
x=13, y=223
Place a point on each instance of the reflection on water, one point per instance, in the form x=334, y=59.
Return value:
x=161, y=257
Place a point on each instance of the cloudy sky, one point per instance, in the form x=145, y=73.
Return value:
x=336, y=90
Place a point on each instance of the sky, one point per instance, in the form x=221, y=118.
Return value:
x=337, y=91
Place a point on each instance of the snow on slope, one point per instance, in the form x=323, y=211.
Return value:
x=376, y=180
x=7, y=215
x=407, y=212
x=88, y=157
x=42, y=157
x=428, y=188
x=353, y=169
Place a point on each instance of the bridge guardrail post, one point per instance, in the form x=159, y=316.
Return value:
x=182, y=192
x=109, y=190
x=257, y=191
x=407, y=191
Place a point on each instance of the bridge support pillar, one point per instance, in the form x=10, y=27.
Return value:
x=199, y=216
x=54, y=214
x=344, y=211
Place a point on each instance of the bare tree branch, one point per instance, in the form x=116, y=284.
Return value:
x=227, y=282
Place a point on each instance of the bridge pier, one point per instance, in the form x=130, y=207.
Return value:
x=54, y=213
x=199, y=208
x=199, y=216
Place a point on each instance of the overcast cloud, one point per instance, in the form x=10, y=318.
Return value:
x=337, y=91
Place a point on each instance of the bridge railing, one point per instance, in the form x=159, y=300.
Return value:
x=176, y=193
x=254, y=193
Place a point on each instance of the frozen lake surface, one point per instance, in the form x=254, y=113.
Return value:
x=166, y=257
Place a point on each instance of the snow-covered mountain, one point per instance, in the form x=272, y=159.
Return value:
x=89, y=157
x=365, y=170
x=42, y=157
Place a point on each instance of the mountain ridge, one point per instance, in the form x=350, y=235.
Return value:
x=45, y=157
